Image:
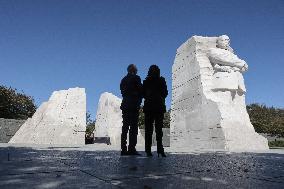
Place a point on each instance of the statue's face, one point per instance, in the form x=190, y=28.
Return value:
x=223, y=42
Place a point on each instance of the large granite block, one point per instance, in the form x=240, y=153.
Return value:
x=208, y=108
x=61, y=120
x=109, y=120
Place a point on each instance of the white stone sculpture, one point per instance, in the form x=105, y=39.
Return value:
x=208, y=110
x=61, y=120
x=109, y=120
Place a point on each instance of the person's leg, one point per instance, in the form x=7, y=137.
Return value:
x=125, y=127
x=159, y=132
x=148, y=132
x=133, y=131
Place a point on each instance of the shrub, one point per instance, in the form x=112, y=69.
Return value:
x=91, y=124
x=15, y=105
x=268, y=120
x=277, y=143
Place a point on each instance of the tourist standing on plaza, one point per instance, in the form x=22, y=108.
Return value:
x=154, y=92
x=131, y=90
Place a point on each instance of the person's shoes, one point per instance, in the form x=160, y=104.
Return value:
x=124, y=153
x=133, y=153
x=149, y=154
x=162, y=154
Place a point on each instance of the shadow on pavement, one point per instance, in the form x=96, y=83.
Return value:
x=52, y=168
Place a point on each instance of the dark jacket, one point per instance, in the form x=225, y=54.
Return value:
x=131, y=90
x=154, y=92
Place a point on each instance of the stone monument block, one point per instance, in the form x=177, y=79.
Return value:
x=208, y=110
x=61, y=120
x=109, y=120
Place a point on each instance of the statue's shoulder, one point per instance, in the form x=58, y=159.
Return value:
x=221, y=53
x=218, y=51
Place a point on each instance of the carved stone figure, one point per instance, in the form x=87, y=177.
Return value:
x=227, y=66
x=223, y=58
x=208, y=110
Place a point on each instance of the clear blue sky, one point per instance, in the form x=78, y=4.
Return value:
x=48, y=45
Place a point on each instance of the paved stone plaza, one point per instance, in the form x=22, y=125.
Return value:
x=102, y=167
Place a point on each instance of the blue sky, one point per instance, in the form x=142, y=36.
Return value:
x=48, y=45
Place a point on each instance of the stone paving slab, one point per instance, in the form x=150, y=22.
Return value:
x=186, y=181
x=52, y=180
x=219, y=164
x=28, y=168
x=53, y=167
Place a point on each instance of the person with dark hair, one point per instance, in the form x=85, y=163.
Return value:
x=154, y=92
x=131, y=90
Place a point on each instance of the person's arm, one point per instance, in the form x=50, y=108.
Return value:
x=164, y=88
x=123, y=87
x=143, y=89
x=219, y=68
x=147, y=91
x=139, y=87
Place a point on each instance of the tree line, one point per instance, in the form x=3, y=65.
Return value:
x=265, y=119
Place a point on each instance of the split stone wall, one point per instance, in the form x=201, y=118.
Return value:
x=61, y=120
x=109, y=120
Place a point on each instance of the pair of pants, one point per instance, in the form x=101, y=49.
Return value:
x=150, y=118
x=130, y=120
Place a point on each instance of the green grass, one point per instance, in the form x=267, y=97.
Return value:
x=278, y=143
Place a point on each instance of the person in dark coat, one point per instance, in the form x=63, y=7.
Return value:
x=154, y=92
x=131, y=90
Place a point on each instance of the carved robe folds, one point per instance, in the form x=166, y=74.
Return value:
x=228, y=81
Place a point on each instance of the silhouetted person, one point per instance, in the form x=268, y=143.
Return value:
x=131, y=90
x=154, y=91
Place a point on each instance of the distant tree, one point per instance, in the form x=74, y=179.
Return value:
x=91, y=124
x=15, y=105
x=265, y=119
x=167, y=119
x=141, y=119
